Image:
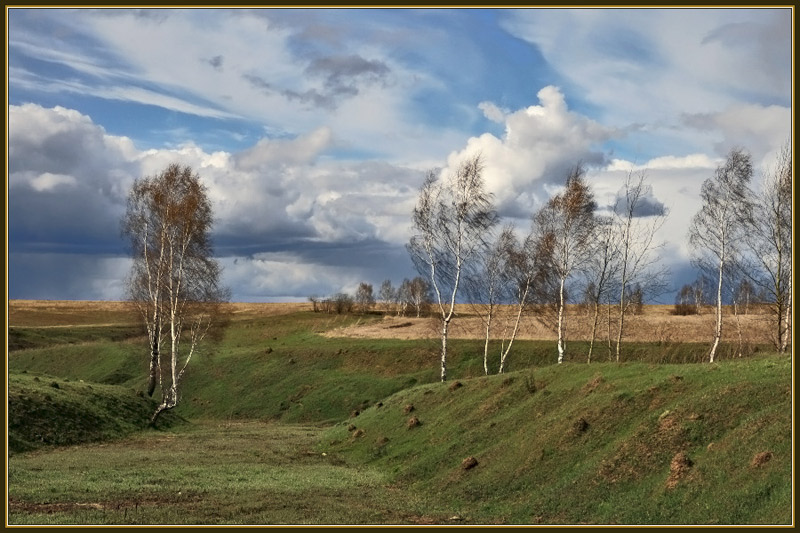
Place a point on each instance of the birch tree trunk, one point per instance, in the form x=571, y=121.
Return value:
x=787, y=320
x=595, y=320
x=718, y=325
x=443, y=374
x=561, y=346
x=486, y=345
x=507, y=349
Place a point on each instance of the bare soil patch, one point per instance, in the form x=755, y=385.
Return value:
x=679, y=468
x=760, y=459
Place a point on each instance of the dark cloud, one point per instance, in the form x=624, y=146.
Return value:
x=66, y=276
x=67, y=183
x=342, y=76
x=64, y=219
x=216, y=62
x=647, y=206
x=313, y=97
x=258, y=82
x=699, y=121
x=343, y=70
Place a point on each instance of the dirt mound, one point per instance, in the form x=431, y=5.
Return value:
x=592, y=384
x=469, y=462
x=760, y=459
x=679, y=468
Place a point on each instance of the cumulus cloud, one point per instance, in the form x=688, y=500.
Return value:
x=665, y=162
x=48, y=181
x=629, y=65
x=315, y=269
x=492, y=112
x=68, y=183
x=67, y=179
x=540, y=143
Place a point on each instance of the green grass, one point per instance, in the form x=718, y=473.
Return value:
x=207, y=473
x=43, y=410
x=561, y=444
x=22, y=338
x=591, y=443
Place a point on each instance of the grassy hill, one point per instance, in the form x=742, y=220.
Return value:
x=646, y=441
x=43, y=410
x=606, y=443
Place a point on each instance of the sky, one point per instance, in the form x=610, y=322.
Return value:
x=313, y=129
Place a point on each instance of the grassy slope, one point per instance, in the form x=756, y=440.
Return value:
x=43, y=410
x=579, y=443
x=537, y=461
x=279, y=367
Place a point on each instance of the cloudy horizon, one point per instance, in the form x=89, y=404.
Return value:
x=313, y=128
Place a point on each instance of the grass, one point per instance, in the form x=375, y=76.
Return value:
x=206, y=473
x=591, y=444
x=22, y=338
x=43, y=410
x=559, y=444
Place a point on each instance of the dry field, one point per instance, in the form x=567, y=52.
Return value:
x=656, y=323
x=55, y=313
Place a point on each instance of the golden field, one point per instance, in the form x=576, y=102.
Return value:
x=656, y=323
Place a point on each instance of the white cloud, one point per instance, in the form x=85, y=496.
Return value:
x=492, y=112
x=253, y=66
x=646, y=66
x=761, y=130
x=540, y=143
x=664, y=163
x=276, y=194
x=48, y=181
x=283, y=152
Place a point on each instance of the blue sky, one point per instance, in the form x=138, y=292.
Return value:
x=313, y=128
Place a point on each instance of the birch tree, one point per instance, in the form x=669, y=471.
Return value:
x=717, y=230
x=601, y=269
x=487, y=286
x=568, y=220
x=637, y=224
x=387, y=294
x=365, y=298
x=419, y=295
x=174, y=281
x=525, y=265
x=769, y=240
x=450, y=221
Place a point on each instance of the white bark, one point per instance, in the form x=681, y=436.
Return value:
x=561, y=347
x=520, y=309
x=451, y=219
x=718, y=325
